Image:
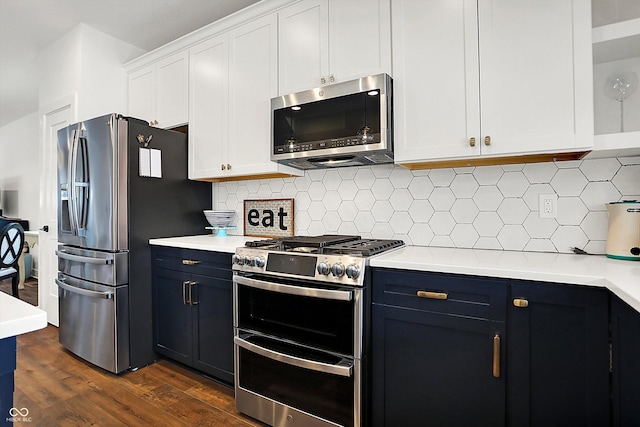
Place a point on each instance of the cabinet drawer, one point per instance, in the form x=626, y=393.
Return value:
x=478, y=297
x=212, y=264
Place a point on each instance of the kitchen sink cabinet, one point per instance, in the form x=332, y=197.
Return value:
x=329, y=41
x=625, y=343
x=158, y=92
x=229, y=123
x=479, y=79
x=557, y=355
x=434, y=359
x=193, y=309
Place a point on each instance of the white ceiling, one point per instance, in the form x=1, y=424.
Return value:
x=28, y=26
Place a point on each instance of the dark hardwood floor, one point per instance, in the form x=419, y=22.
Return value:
x=60, y=389
x=28, y=294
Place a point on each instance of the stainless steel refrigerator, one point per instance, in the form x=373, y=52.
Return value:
x=120, y=183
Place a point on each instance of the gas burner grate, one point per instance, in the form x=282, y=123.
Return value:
x=328, y=244
x=363, y=247
x=316, y=241
x=303, y=243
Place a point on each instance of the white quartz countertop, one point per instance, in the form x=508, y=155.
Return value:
x=206, y=242
x=621, y=277
x=18, y=317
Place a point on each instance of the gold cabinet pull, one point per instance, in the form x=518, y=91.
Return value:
x=184, y=292
x=223, y=167
x=228, y=166
x=191, y=301
x=487, y=140
x=432, y=295
x=520, y=302
x=323, y=80
x=331, y=78
x=472, y=142
x=190, y=262
x=496, y=356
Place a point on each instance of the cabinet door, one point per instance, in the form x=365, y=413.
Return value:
x=303, y=46
x=625, y=324
x=359, y=38
x=536, y=75
x=432, y=369
x=436, y=78
x=142, y=94
x=213, y=344
x=558, y=356
x=253, y=56
x=172, y=327
x=208, y=108
x=172, y=94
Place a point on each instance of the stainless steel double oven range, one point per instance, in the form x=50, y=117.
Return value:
x=301, y=329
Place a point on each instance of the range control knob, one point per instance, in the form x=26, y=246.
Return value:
x=259, y=262
x=323, y=268
x=337, y=270
x=235, y=259
x=353, y=271
x=246, y=260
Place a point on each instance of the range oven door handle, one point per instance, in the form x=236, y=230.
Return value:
x=294, y=290
x=341, y=370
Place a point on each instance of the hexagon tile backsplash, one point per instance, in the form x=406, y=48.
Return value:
x=487, y=207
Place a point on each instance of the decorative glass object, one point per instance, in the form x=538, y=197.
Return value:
x=619, y=87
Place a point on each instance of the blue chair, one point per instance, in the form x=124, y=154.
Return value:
x=11, y=244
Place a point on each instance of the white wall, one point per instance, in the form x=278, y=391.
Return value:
x=19, y=168
x=84, y=63
x=87, y=63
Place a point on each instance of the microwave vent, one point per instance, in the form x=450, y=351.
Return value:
x=379, y=158
x=303, y=164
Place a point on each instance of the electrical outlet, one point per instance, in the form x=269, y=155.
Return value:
x=548, y=206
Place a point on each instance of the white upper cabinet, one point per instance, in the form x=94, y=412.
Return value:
x=142, y=93
x=328, y=41
x=233, y=78
x=436, y=79
x=491, y=78
x=158, y=92
x=253, y=81
x=208, y=108
x=616, y=58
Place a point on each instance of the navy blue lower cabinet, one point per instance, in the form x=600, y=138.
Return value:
x=7, y=366
x=438, y=350
x=625, y=344
x=557, y=356
x=433, y=369
x=172, y=318
x=213, y=327
x=193, y=309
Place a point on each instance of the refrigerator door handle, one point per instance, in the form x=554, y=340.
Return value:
x=82, y=186
x=71, y=188
x=84, y=292
x=84, y=259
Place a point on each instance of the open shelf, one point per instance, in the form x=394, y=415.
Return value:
x=616, y=48
x=617, y=41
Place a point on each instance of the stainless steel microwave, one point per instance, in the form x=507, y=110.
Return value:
x=343, y=124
